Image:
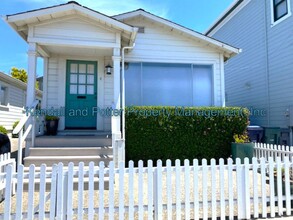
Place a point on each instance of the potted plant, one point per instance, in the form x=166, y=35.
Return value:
x=242, y=147
x=51, y=124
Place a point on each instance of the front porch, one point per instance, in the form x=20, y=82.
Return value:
x=76, y=45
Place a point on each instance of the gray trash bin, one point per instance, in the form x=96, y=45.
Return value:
x=255, y=133
x=285, y=136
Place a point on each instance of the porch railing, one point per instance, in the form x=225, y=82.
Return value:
x=22, y=136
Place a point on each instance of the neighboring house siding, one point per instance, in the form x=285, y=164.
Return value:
x=245, y=74
x=16, y=96
x=9, y=115
x=12, y=109
x=280, y=50
x=265, y=63
x=158, y=44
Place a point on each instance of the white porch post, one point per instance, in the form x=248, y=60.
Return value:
x=31, y=89
x=31, y=80
x=116, y=120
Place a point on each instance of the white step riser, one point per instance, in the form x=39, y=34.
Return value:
x=70, y=151
x=49, y=162
x=67, y=142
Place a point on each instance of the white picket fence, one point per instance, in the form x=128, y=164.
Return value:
x=271, y=150
x=5, y=159
x=189, y=191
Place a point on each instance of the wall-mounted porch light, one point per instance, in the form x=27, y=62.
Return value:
x=108, y=69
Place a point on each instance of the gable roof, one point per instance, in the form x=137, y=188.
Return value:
x=16, y=82
x=229, y=13
x=20, y=21
x=228, y=50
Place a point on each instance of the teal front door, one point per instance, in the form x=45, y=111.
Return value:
x=81, y=94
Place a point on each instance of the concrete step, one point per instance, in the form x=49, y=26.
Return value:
x=50, y=160
x=72, y=151
x=83, y=133
x=73, y=141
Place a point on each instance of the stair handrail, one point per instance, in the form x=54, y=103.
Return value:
x=19, y=130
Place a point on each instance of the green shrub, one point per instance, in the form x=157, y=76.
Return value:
x=3, y=130
x=207, y=133
x=14, y=125
x=51, y=118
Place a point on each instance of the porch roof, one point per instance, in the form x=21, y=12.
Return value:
x=20, y=22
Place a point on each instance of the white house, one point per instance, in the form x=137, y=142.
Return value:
x=164, y=63
x=12, y=100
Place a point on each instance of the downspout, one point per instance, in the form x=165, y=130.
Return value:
x=123, y=89
x=267, y=66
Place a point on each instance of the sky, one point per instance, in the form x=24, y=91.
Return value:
x=194, y=14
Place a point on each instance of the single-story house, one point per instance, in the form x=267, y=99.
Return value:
x=89, y=57
x=12, y=100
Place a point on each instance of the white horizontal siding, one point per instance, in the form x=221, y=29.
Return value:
x=108, y=98
x=158, y=44
x=74, y=29
x=10, y=116
x=52, y=84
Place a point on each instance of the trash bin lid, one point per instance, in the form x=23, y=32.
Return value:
x=254, y=128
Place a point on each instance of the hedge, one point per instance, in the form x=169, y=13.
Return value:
x=182, y=133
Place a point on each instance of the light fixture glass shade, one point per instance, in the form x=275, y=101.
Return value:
x=108, y=69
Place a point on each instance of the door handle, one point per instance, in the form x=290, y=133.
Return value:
x=81, y=97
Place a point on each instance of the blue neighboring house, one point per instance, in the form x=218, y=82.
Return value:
x=261, y=77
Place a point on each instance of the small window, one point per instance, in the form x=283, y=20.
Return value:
x=140, y=30
x=3, y=96
x=280, y=10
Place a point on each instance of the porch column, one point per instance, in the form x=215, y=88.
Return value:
x=116, y=120
x=31, y=79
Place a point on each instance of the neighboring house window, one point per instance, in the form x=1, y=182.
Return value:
x=3, y=96
x=160, y=84
x=280, y=10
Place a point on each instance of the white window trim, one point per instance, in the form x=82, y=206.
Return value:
x=274, y=23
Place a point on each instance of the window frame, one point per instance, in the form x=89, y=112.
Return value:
x=274, y=20
x=5, y=94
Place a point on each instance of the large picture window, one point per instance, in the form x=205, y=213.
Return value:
x=280, y=9
x=160, y=84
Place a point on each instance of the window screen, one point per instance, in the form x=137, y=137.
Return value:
x=168, y=84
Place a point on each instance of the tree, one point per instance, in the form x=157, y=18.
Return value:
x=21, y=75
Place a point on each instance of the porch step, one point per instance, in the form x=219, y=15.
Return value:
x=83, y=133
x=73, y=141
x=66, y=151
x=50, y=160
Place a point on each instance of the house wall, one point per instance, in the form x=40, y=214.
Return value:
x=56, y=85
x=60, y=30
x=261, y=76
x=160, y=44
x=12, y=110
